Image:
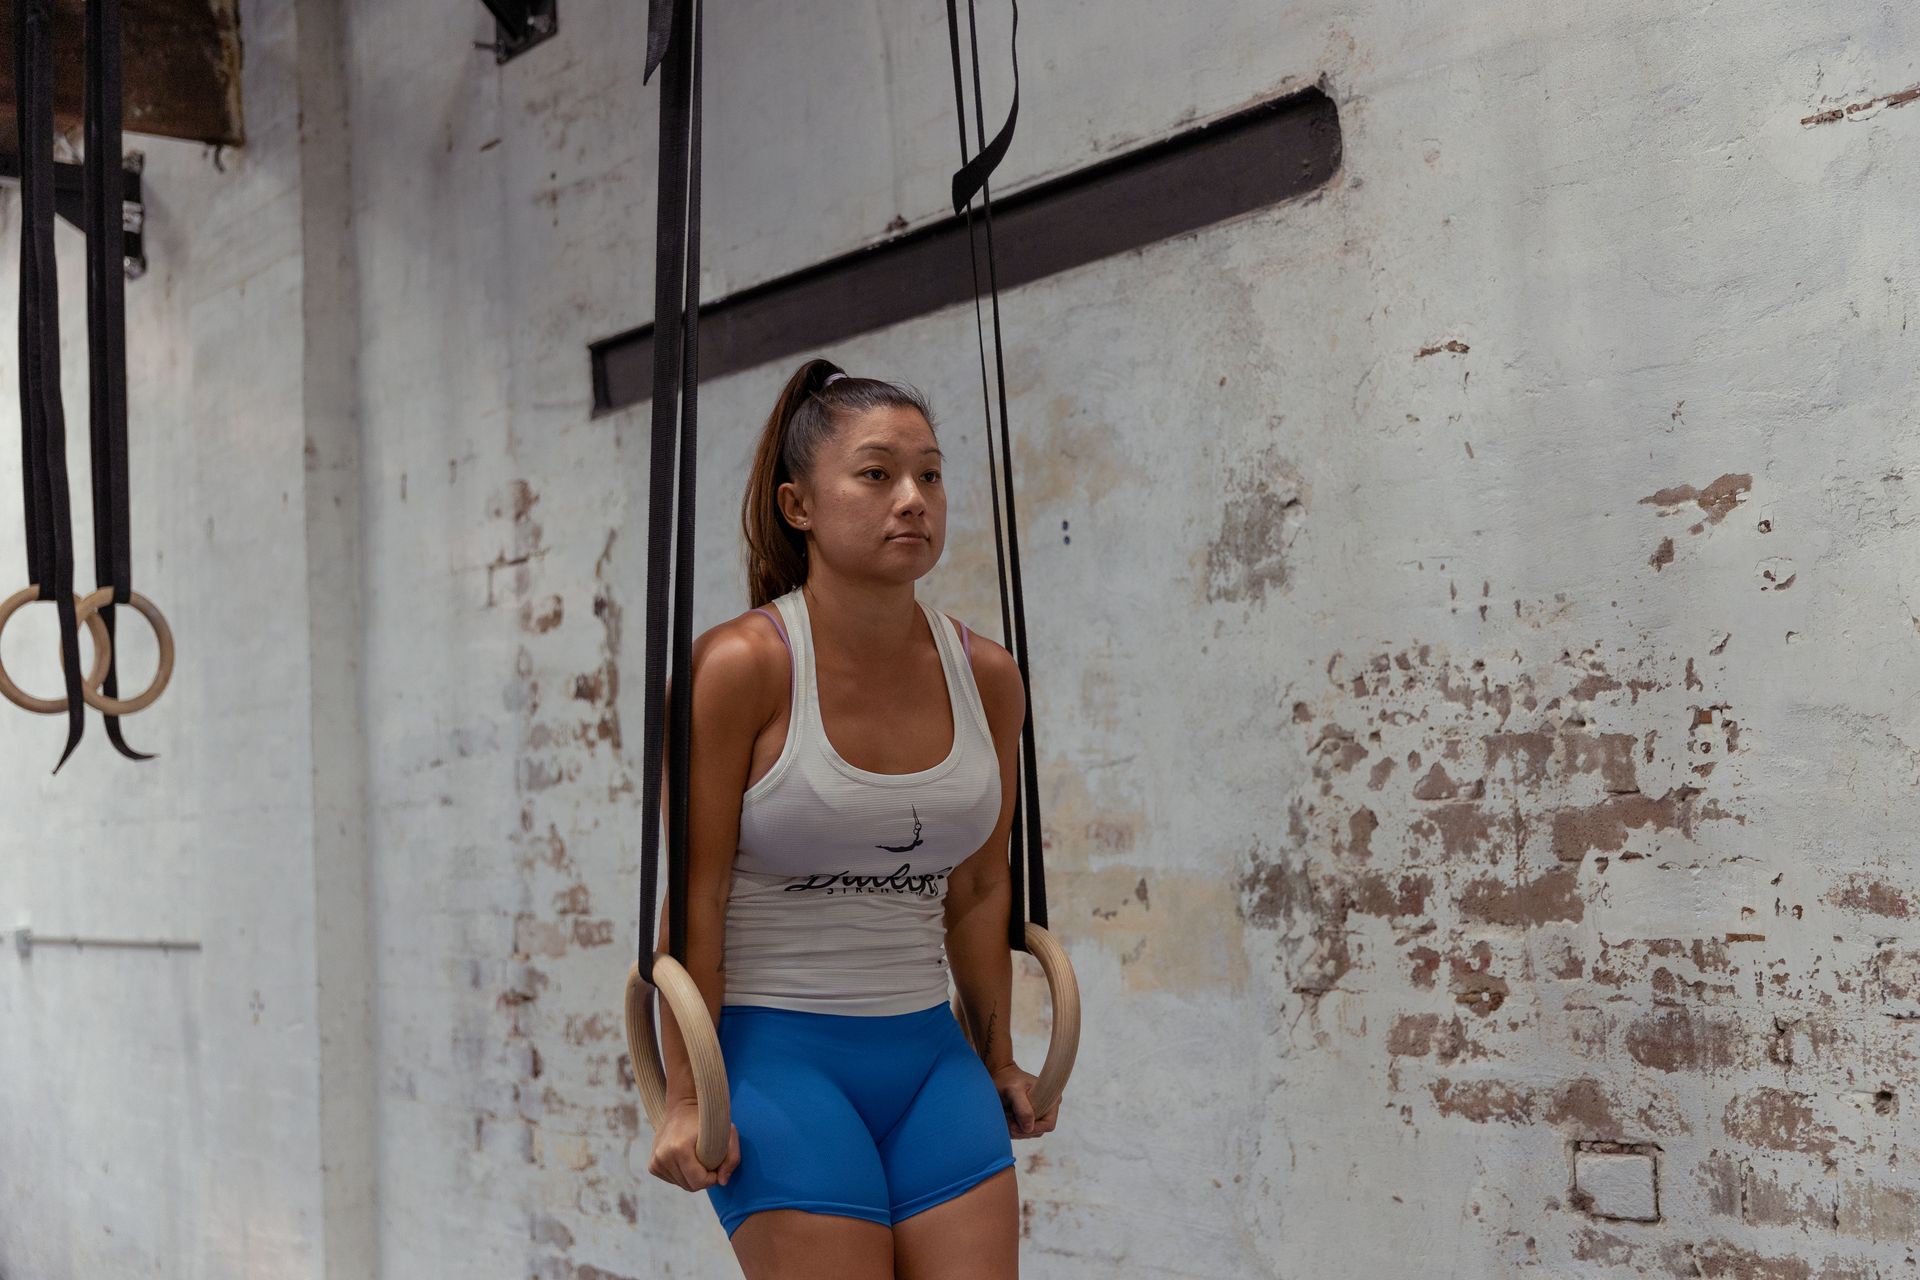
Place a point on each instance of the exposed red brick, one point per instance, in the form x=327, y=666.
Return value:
x=1411, y=1035
x=1360, y=828
x=1717, y=499
x=1375, y=895
x=1473, y=983
x=1720, y=1176
x=1529, y=754
x=1770, y=1202
x=1554, y=896
x=1723, y=1260
x=1680, y=1040
x=1874, y=897
x=1463, y=828
x=1483, y=1101
x=1426, y=966
x=1603, y=827
x=1779, y=1120
x=1436, y=785
x=1608, y=754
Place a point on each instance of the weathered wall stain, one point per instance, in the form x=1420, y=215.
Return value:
x=1261, y=514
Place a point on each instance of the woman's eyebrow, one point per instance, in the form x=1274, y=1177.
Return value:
x=877, y=447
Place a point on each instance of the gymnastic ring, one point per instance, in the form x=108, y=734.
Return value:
x=1064, y=1045
x=703, y=1052
x=163, y=634
x=102, y=655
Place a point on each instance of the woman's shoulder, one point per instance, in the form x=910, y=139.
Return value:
x=742, y=659
x=994, y=670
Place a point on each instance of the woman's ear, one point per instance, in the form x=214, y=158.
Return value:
x=792, y=504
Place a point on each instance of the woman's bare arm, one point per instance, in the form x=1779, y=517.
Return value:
x=738, y=688
x=979, y=893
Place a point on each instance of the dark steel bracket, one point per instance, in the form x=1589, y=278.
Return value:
x=69, y=201
x=522, y=25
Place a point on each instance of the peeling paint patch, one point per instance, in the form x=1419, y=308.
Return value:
x=1718, y=499
x=1864, y=110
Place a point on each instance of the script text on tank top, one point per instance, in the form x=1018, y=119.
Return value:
x=903, y=879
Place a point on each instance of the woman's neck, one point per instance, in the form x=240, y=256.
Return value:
x=862, y=622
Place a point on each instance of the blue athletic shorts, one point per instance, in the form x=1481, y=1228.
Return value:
x=867, y=1117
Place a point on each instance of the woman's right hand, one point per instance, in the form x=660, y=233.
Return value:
x=673, y=1150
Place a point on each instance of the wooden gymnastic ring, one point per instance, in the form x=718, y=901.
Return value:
x=162, y=633
x=703, y=1051
x=1064, y=1045
x=102, y=655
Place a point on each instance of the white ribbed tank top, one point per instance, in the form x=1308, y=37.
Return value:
x=840, y=878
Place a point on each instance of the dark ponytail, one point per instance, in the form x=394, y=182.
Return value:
x=805, y=416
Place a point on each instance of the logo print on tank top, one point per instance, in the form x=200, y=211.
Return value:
x=907, y=848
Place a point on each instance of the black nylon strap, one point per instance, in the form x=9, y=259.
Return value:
x=104, y=193
x=1030, y=887
x=49, y=518
x=659, y=35
x=670, y=516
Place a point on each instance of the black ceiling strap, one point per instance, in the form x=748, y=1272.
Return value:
x=104, y=195
x=1030, y=887
x=49, y=518
x=670, y=516
x=659, y=35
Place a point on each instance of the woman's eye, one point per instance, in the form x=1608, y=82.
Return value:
x=874, y=471
x=933, y=475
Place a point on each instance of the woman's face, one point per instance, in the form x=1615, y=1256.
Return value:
x=875, y=505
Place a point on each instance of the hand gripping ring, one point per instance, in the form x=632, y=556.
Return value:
x=1065, y=1042
x=162, y=633
x=102, y=654
x=1064, y=1045
x=703, y=1051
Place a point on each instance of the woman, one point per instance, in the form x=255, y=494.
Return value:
x=852, y=780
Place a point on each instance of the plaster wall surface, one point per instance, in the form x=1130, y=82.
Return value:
x=1471, y=610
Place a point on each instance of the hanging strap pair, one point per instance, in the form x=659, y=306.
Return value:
x=971, y=179
x=673, y=43
x=673, y=46
x=46, y=499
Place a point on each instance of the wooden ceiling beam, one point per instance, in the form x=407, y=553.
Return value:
x=181, y=67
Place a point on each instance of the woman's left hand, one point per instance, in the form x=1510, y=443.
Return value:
x=1016, y=1088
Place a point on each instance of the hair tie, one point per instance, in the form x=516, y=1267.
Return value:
x=833, y=378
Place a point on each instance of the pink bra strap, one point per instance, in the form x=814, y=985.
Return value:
x=776, y=624
x=966, y=639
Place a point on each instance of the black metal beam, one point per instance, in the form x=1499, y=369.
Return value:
x=1248, y=161
x=68, y=197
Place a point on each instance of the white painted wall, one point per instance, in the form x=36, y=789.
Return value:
x=1418, y=813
